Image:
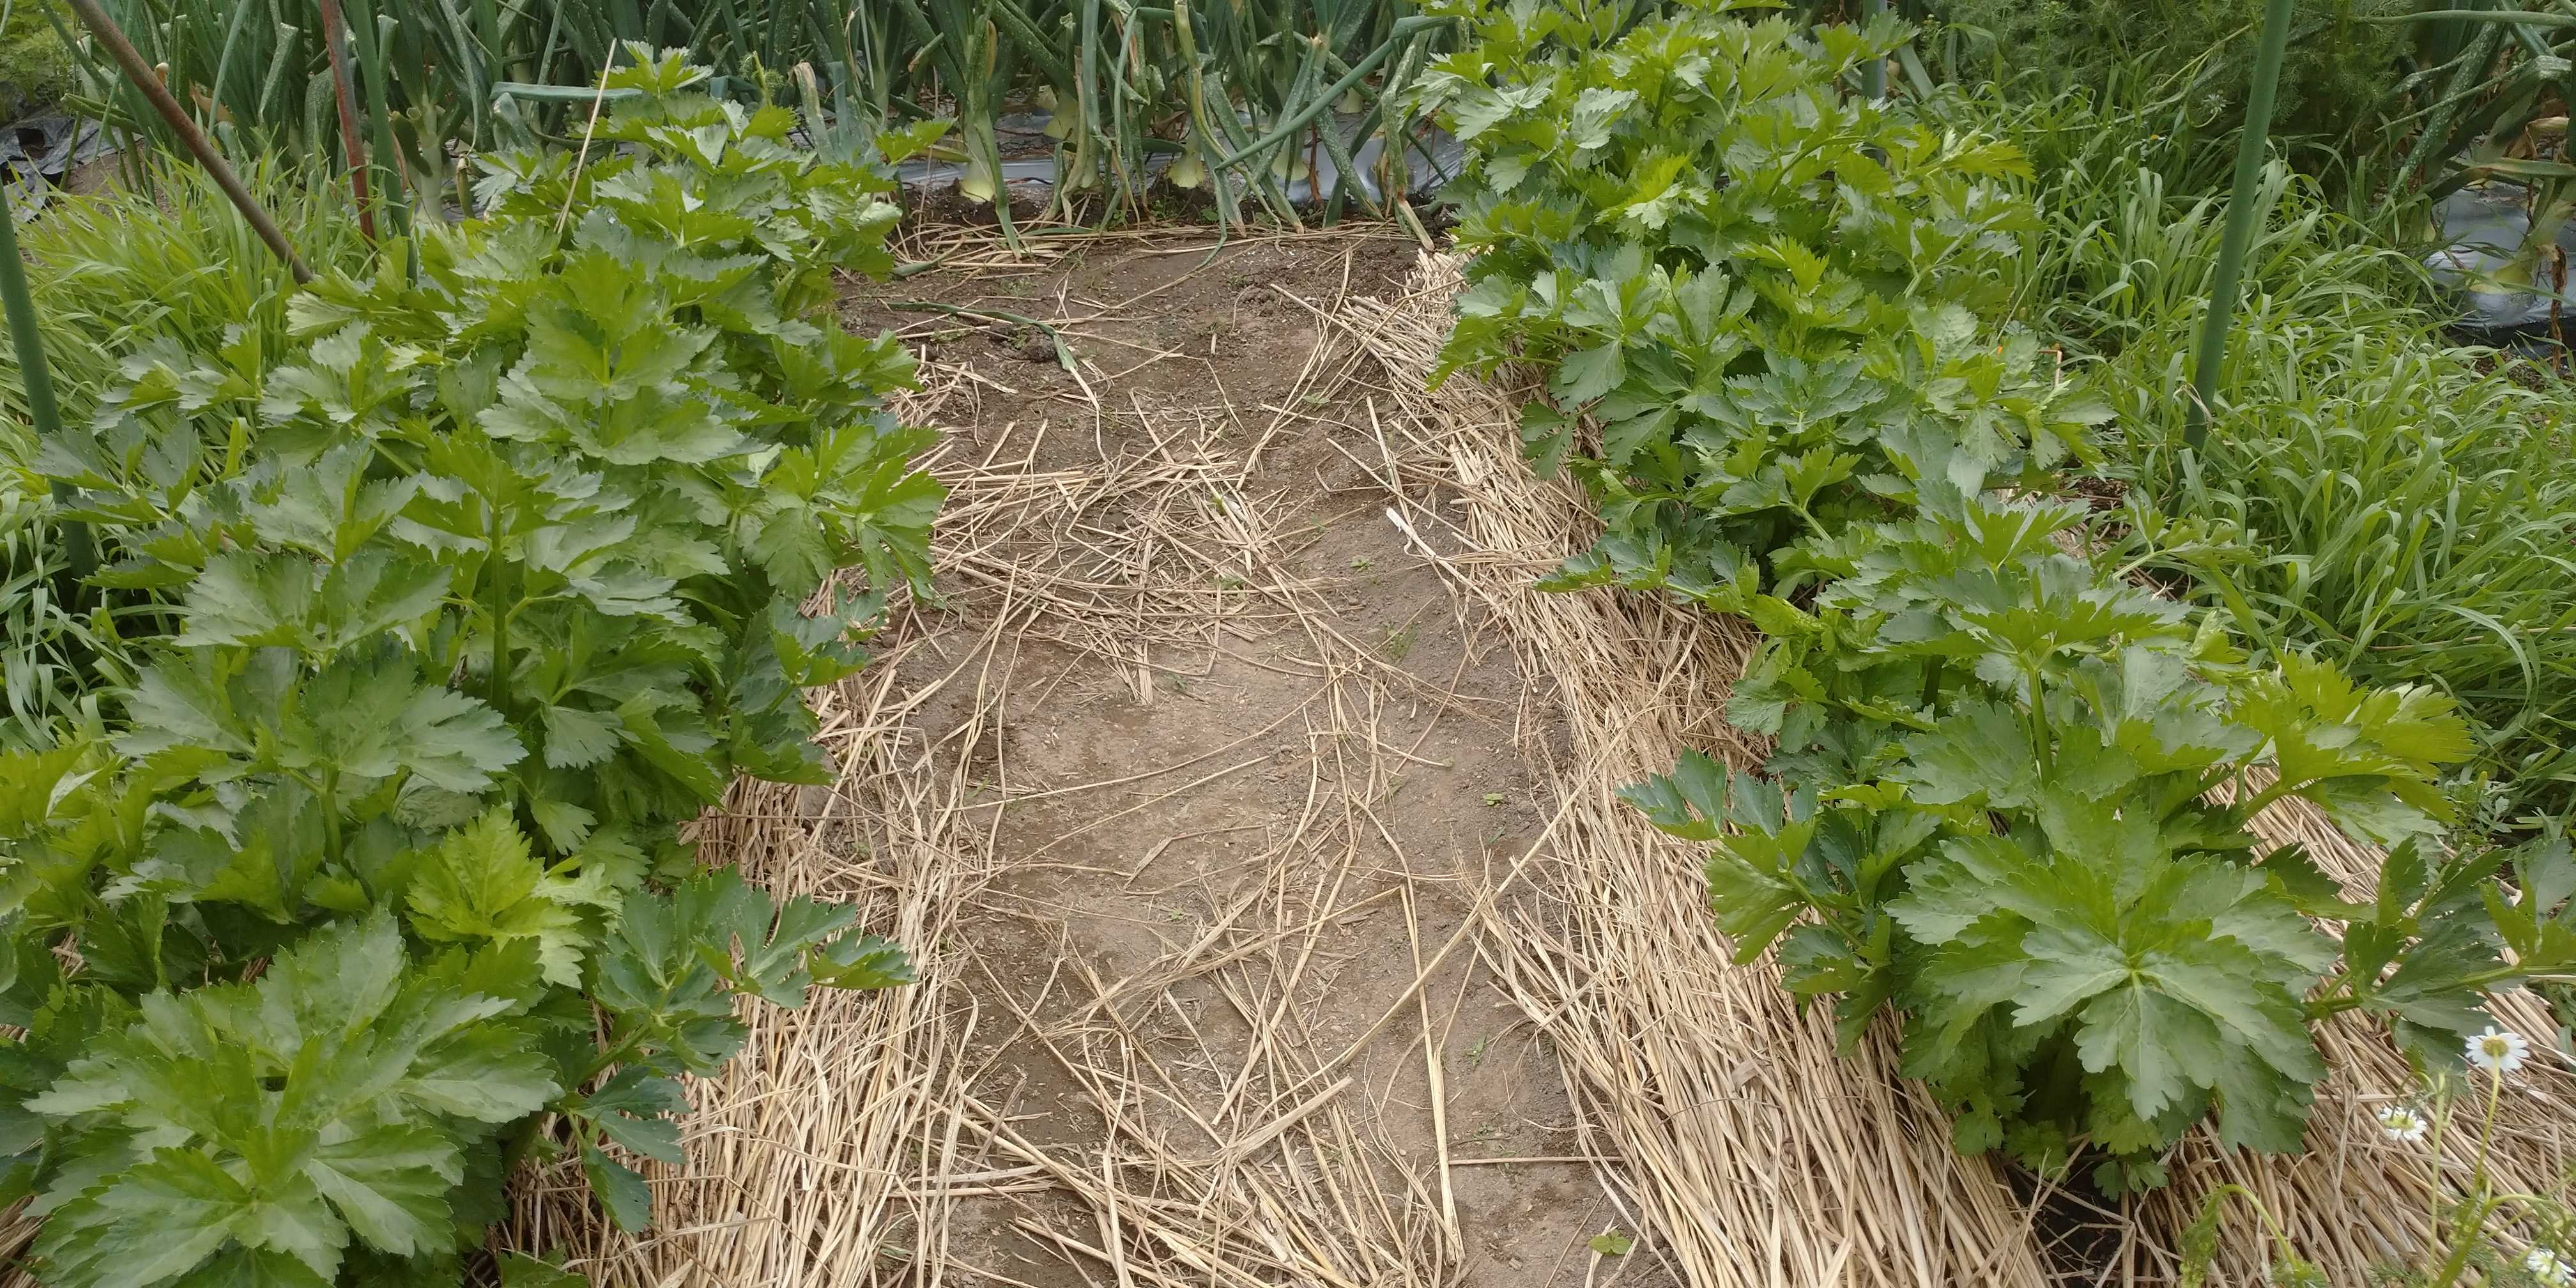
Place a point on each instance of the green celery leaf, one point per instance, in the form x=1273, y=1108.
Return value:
x=861, y=962
x=620, y=1189
x=310, y=1106
x=637, y=1109
x=481, y=882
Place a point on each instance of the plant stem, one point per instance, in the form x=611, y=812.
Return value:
x=1185, y=35
x=331, y=837
x=2240, y=221
x=2439, y=1088
x=2466, y=80
x=393, y=185
x=500, y=688
x=2280, y=787
x=2040, y=742
x=2486, y=1130
x=80, y=551
x=2353, y=998
x=2473, y=1224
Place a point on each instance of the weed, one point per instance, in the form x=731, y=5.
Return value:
x=1399, y=642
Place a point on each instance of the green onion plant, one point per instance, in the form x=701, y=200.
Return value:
x=1245, y=95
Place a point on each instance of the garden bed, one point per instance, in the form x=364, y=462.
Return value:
x=1198, y=736
x=1740, y=725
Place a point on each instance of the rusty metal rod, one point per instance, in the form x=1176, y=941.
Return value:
x=105, y=30
x=345, y=90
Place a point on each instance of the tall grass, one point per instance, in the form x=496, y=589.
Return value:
x=2385, y=101
x=116, y=277
x=173, y=258
x=2370, y=490
x=2341, y=64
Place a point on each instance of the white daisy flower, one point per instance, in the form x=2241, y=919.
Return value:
x=2497, y=1051
x=2403, y=1124
x=2548, y=1267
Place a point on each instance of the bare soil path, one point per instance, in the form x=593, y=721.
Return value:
x=1244, y=754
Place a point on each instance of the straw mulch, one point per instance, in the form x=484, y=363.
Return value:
x=2357, y=1200
x=1755, y=1152
x=842, y=1148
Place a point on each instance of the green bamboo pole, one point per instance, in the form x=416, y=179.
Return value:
x=1873, y=78
x=2241, y=210
x=37, y=376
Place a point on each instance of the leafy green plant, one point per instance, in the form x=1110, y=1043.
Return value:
x=35, y=69
x=1773, y=315
x=1660, y=219
x=2088, y=947
x=478, y=587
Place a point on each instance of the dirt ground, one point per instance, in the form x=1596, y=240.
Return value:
x=1252, y=751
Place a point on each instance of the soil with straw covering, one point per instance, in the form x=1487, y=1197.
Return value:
x=1253, y=822
x=1276, y=922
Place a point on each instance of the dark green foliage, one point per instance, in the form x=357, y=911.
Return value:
x=35, y=68
x=480, y=582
